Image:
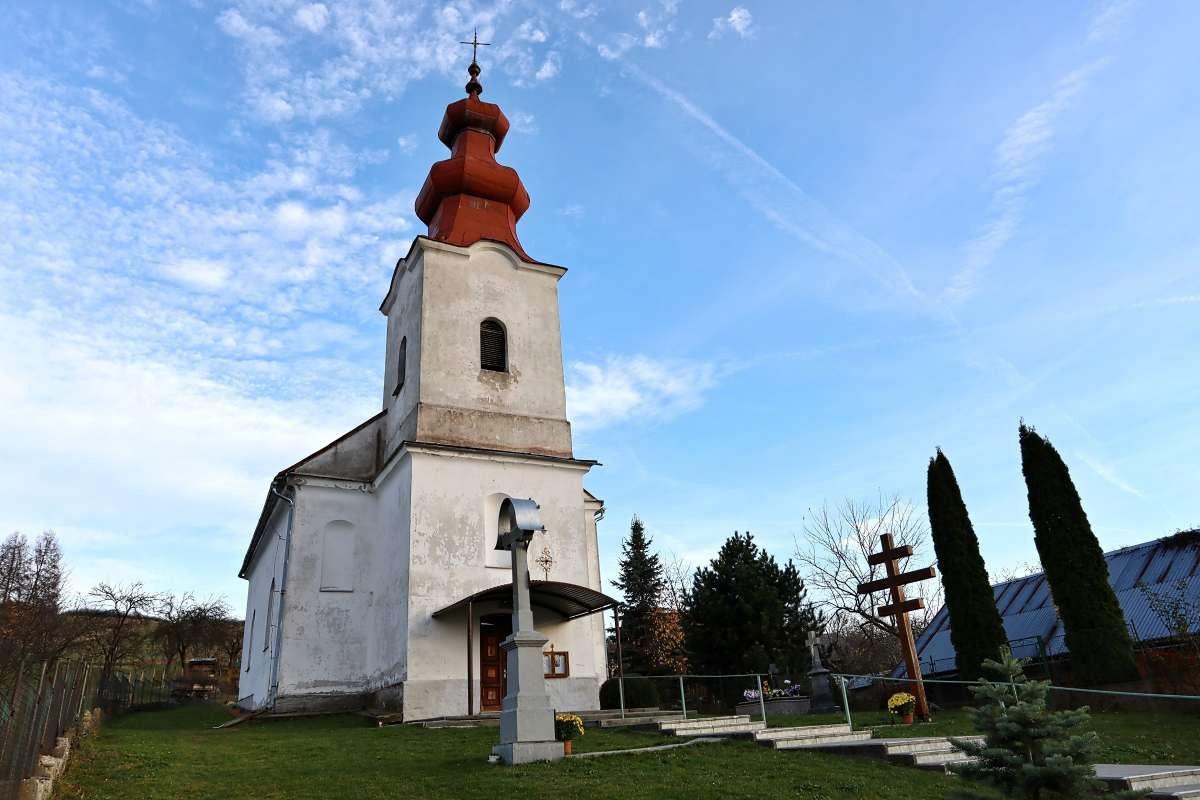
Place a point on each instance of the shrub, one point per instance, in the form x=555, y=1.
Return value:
x=639, y=693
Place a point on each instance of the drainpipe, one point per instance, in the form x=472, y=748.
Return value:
x=287, y=553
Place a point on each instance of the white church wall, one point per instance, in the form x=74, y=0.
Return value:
x=254, y=681
x=448, y=562
x=403, y=309
x=324, y=630
x=387, y=574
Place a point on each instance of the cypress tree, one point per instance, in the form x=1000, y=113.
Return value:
x=641, y=583
x=1093, y=625
x=975, y=626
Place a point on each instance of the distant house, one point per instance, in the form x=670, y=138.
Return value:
x=1031, y=621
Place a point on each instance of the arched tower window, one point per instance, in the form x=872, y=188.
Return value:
x=401, y=363
x=493, y=346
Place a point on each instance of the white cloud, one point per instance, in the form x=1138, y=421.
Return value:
x=549, y=68
x=407, y=143
x=573, y=211
x=315, y=61
x=1108, y=473
x=522, y=122
x=625, y=388
x=782, y=202
x=617, y=46
x=312, y=17
x=531, y=31
x=157, y=457
x=578, y=10
x=294, y=220
x=1110, y=21
x=201, y=273
x=1017, y=161
x=739, y=21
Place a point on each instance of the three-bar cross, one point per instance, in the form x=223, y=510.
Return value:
x=899, y=607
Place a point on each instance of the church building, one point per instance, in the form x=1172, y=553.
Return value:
x=374, y=578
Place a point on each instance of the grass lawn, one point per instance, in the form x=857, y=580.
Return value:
x=176, y=754
x=1126, y=737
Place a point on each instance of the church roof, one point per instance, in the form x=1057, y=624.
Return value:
x=570, y=600
x=469, y=196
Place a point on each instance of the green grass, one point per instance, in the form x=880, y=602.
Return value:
x=176, y=754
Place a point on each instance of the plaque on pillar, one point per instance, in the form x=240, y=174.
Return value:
x=526, y=717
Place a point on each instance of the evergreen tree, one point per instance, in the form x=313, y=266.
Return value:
x=1094, y=627
x=975, y=626
x=1028, y=751
x=641, y=583
x=745, y=612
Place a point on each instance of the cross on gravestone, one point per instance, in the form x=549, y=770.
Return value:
x=526, y=717
x=889, y=555
x=814, y=649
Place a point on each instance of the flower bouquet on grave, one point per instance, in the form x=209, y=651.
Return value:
x=567, y=728
x=902, y=705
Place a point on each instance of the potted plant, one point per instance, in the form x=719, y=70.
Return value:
x=567, y=728
x=902, y=705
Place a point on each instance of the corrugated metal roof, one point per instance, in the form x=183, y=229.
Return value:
x=1163, y=566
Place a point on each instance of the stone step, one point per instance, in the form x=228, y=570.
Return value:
x=817, y=742
x=939, y=756
x=641, y=721
x=800, y=732
x=899, y=747
x=1190, y=791
x=944, y=765
x=702, y=722
x=1144, y=777
x=728, y=729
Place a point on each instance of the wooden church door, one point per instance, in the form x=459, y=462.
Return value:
x=493, y=666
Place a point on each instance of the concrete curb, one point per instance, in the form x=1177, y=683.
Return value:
x=655, y=749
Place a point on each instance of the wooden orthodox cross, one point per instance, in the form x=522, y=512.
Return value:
x=899, y=607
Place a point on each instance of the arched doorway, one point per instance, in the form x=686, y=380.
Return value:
x=493, y=663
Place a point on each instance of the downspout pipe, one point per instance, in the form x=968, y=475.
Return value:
x=287, y=556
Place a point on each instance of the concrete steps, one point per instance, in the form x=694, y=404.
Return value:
x=712, y=726
x=809, y=736
x=1189, y=792
x=639, y=721
x=1163, y=780
x=817, y=743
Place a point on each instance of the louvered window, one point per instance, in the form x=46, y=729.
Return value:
x=401, y=363
x=493, y=346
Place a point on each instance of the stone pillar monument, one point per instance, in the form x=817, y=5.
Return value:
x=821, y=697
x=526, y=718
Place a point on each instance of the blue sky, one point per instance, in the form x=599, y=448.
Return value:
x=807, y=244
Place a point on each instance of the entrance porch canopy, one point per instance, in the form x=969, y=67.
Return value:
x=568, y=600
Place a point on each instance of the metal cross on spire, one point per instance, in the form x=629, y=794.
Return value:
x=475, y=45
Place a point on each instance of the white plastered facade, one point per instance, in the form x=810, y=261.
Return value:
x=397, y=519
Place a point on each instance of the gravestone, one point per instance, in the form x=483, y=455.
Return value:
x=818, y=676
x=526, y=717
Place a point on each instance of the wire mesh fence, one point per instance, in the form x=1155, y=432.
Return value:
x=39, y=705
x=757, y=695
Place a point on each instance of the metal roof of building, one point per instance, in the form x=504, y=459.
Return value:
x=569, y=600
x=1163, y=567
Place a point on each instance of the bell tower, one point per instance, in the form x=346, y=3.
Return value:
x=474, y=354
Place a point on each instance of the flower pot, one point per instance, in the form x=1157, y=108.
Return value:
x=567, y=747
x=906, y=719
